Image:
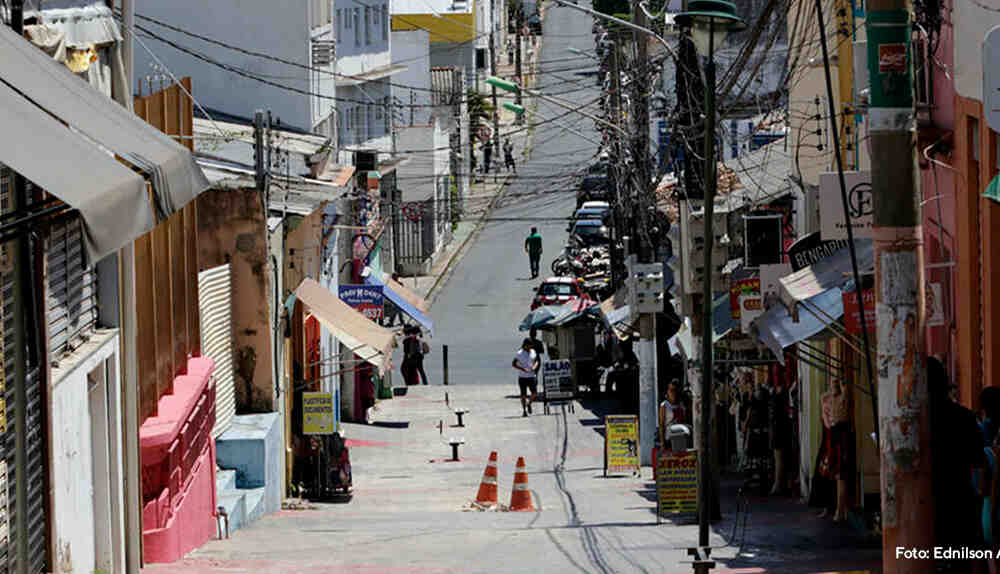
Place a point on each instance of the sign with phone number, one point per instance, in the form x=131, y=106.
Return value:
x=366, y=299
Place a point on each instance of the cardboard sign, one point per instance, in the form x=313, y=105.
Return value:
x=852, y=313
x=621, y=443
x=677, y=484
x=366, y=299
x=860, y=205
x=317, y=413
x=557, y=379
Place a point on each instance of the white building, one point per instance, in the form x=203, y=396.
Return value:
x=364, y=66
x=454, y=29
x=293, y=75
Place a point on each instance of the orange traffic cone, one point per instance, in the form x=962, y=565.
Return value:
x=488, y=487
x=520, y=496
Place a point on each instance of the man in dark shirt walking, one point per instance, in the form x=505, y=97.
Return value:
x=533, y=246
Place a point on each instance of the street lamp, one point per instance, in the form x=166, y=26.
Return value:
x=710, y=22
x=513, y=87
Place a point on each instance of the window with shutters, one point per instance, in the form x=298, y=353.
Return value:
x=72, y=290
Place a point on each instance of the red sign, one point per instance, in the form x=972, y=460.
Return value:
x=741, y=287
x=892, y=58
x=852, y=315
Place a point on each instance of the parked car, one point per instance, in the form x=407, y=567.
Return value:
x=590, y=232
x=557, y=291
x=589, y=213
x=596, y=205
x=593, y=188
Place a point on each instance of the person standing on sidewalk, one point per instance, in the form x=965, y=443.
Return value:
x=510, y=53
x=508, y=156
x=533, y=247
x=487, y=156
x=411, y=348
x=526, y=363
x=424, y=349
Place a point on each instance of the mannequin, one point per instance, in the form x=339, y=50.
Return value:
x=836, y=457
x=781, y=436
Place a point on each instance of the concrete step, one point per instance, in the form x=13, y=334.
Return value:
x=255, y=506
x=225, y=480
x=234, y=501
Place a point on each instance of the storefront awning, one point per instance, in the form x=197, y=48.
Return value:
x=362, y=336
x=393, y=290
x=776, y=328
x=88, y=117
x=827, y=274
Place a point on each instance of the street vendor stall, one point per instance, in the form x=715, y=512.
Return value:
x=570, y=333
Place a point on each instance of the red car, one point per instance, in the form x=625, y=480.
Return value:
x=558, y=291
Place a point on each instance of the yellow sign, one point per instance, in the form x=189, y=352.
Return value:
x=621, y=443
x=317, y=413
x=677, y=482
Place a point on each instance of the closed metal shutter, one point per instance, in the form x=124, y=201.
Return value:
x=71, y=301
x=215, y=303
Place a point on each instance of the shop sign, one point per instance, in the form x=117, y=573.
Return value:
x=737, y=289
x=557, y=379
x=621, y=444
x=751, y=307
x=889, y=58
x=812, y=249
x=852, y=314
x=366, y=299
x=935, y=305
x=317, y=413
x=860, y=205
x=677, y=484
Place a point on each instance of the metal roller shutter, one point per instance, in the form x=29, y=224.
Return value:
x=71, y=300
x=215, y=303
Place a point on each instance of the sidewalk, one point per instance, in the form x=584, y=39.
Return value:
x=486, y=190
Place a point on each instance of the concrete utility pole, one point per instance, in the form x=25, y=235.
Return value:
x=519, y=119
x=641, y=240
x=614, y=165
x=903, y=401
x=493, y=89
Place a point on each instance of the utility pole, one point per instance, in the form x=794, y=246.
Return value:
x=517, y=57
x=493, y=71
x=614, y=169
x=644, y=250
x=903, y=401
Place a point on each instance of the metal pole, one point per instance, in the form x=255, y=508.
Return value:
x=903, y=401
x=444, y=359
x=517, y=58
x=705, y=457
x=493, y=90
x=847, y=212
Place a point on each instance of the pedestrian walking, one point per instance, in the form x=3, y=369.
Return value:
x=538, y=346
x=510, y=53
x=411, y=349
x=487, y=156
x=533, y=247
x=508, y=156
x=423, y=350
x=526, y=364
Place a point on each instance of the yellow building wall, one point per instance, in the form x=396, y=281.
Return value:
x=447, y=28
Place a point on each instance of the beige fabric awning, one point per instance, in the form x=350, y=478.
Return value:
x=365, y=338
x=89, y=115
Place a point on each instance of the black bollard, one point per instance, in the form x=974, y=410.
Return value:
x=444, y=358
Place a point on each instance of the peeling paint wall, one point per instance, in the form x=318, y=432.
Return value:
x=232, y=229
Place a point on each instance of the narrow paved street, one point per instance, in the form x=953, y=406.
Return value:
x=411, y=507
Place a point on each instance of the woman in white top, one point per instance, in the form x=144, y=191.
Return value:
x=671, y=412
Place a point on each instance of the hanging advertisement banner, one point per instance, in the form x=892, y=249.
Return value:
x=860, y=205
x=366, y=299
x=621, y=444
x=935, y=305
x=317, y=413
x=812, y=249
x=677, y=484
x=852, y=313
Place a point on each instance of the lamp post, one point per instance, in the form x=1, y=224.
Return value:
x=710, y=21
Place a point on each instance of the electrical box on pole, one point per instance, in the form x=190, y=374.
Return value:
x=692, y=229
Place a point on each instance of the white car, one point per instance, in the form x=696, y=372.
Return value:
x=596, y=205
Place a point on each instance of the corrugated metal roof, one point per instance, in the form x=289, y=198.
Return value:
x=447, y=85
